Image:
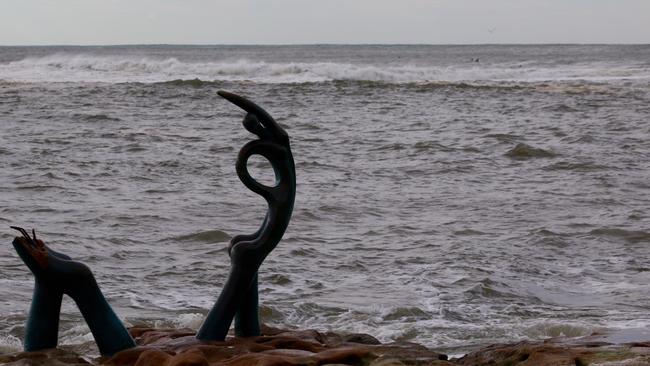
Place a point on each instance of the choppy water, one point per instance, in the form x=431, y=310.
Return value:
x=441, y=200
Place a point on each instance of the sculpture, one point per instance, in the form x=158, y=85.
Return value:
x=247, y=252
x=57, y=274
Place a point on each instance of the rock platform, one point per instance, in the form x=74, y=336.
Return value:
x=174, y=347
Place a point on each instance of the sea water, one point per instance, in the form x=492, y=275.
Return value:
x=453, y=196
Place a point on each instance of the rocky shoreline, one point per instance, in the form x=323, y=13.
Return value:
x=174, y=347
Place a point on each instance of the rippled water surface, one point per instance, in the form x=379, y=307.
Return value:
x=452, y=196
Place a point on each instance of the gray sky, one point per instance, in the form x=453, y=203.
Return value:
x=28, y=22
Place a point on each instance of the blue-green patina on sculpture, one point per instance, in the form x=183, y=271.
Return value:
x=57, y=274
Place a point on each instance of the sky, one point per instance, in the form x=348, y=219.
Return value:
x=86, y=22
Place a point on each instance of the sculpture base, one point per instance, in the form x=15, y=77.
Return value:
x=309, y=347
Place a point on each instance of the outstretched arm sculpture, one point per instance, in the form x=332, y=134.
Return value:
x=238, y=299
x=56, y=274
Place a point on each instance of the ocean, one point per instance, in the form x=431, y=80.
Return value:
x=454, y=196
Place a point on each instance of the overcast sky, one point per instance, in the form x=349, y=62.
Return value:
x=30, y=22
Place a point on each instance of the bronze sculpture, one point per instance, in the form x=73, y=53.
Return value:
x=57, y=274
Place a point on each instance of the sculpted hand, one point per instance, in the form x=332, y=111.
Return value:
x=56, y=274
x=47, y=265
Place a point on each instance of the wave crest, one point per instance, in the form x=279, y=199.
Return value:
x=63, y=67
x=115, y=69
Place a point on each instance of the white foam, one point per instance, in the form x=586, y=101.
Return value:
x=547, y=329
x=77, y=334
x=192, y=321
x=10, y=344
x=116, y=69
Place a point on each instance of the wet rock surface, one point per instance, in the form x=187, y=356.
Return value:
x=593, y=350
x=274, y=347
x=174, y=347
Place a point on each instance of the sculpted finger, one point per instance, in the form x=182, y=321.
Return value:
x=273, y=128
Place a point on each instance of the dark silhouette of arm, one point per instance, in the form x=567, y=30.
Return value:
x=239, y=296
x=55, y=275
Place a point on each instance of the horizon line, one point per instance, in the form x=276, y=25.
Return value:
x=327, y=44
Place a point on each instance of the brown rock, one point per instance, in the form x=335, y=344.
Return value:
x=216, y=353
x=282, y=341
x=407, y=352
x=162, y=336
x=172, y=347
x=126, y=357
x=345, y=355
x=289, y=353
x=333, y=339
x=305, y=335
x=271, y=331
x=361, y=338
x=311, y=348
x=258, y=359
x=284, y=347
x=49, y=357
x=190, y=358
x=151, y=357
x=554, y=352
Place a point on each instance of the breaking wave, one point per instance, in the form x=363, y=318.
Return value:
x=9, y=344
x=119, y=69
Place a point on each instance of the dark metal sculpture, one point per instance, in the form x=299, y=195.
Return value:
x=247, y=252
x=57, y=274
